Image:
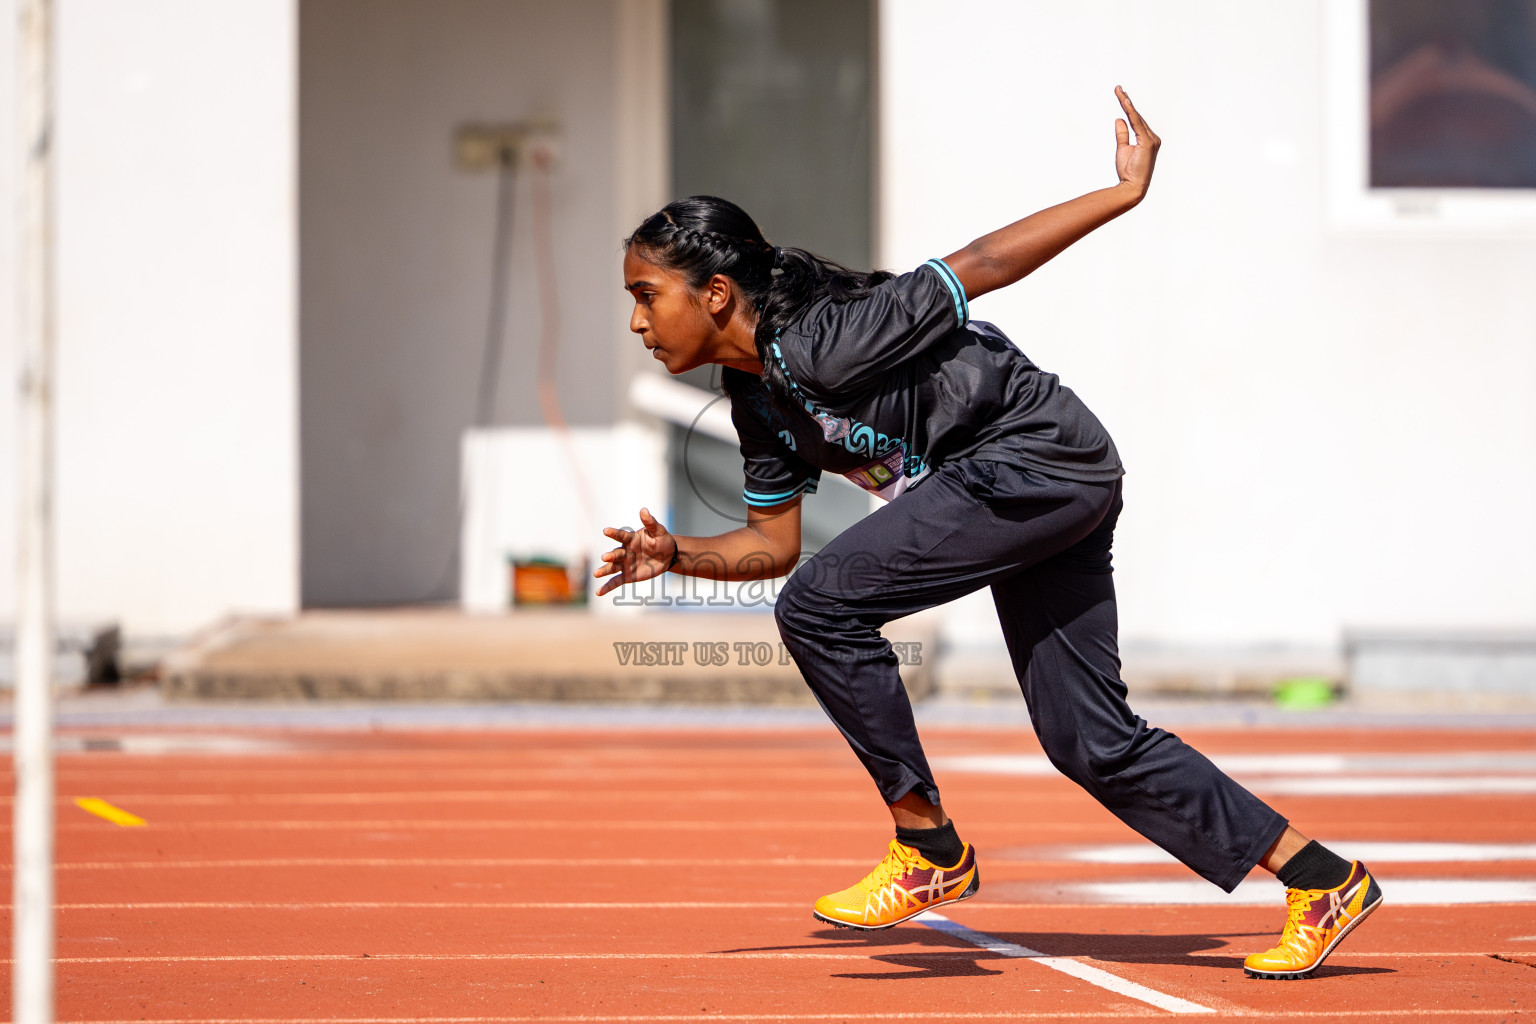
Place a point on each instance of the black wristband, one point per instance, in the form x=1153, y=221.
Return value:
x=677, y=553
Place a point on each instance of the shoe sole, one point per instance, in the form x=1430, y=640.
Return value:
x=1298, y=975
x=970, y=890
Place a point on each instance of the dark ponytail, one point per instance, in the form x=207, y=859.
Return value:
x=702, y=236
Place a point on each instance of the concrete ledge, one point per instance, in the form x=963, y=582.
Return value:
x=553, y=655
x=1209, y=674
x=1484, y=669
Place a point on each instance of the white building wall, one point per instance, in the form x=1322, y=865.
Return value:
x=176, y=390
x=1323, y=429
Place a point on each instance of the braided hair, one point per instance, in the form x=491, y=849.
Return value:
x=701, y=236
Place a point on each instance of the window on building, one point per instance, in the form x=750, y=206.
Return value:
x=1453, y=94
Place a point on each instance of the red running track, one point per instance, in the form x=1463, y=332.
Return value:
x=603, y=875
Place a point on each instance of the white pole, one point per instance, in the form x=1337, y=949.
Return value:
x=32, y=967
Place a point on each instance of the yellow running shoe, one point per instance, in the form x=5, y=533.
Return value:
x=902, y=886
x=1317, y=921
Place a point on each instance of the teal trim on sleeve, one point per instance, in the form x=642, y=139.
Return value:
x=956, y=289
x=757, y=499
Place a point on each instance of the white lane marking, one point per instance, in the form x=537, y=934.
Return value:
x=1287, y=764
x=1462, y=761
x=154, y=745
x=1415, y=1012
x=1129, y=955
x=1004, y=1015
x=1065, y=964
x=306, y=958
x=1418, y=892
x=472, y=862
x=996, y=764
x=1393, y=785
x=339, y=775
x=404, y=828
x=1280, y=764
x=1372, y=852
x=497, y=824
x=443, y=796
x=1001, y=1015
x=411, y=905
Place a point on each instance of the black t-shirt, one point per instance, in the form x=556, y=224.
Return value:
x=889, y=386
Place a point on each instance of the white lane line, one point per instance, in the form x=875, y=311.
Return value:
x=1464, y=761
x=1426, y=892
x=1273, y=780
x=1415, y=1012
x=473, y=862
x=1001, y=1015
x=339, y=774
x=1280, y=764
x=167, y=744
x=563, y=957
x=1129, y=956
x=996, y=764
x=1335, y=764
x=507, y=824
x=434, y=905
x=444, y=796
x=1370, y=851
x=1223, y=954
x=1319, y=774
x=1393, y=785
x=402, y=825
x=1065, y=964
x=1400, y=892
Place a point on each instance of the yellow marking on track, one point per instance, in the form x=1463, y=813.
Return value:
x=102, y=809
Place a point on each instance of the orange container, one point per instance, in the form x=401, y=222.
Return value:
x=547, y=581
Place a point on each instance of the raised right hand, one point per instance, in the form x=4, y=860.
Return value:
x=1134, y=161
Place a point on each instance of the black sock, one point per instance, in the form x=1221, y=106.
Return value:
x=1314, y=866
x=939, y=846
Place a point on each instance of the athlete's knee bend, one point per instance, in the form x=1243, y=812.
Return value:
x=804, y=609
x=1069, y=759
x=1093, y=764
x=783, y=614
x=795, y=608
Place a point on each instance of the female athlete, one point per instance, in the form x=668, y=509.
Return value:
x=995, y=475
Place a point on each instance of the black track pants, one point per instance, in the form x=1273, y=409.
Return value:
x=1043, y=545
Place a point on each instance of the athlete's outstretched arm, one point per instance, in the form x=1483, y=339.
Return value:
x=1009, y=254
x=767, y=547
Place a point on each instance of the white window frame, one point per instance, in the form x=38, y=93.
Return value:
x=1353, y=206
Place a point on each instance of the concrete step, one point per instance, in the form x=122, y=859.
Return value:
x=543, y=655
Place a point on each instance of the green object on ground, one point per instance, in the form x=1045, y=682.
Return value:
x=1304, y=692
